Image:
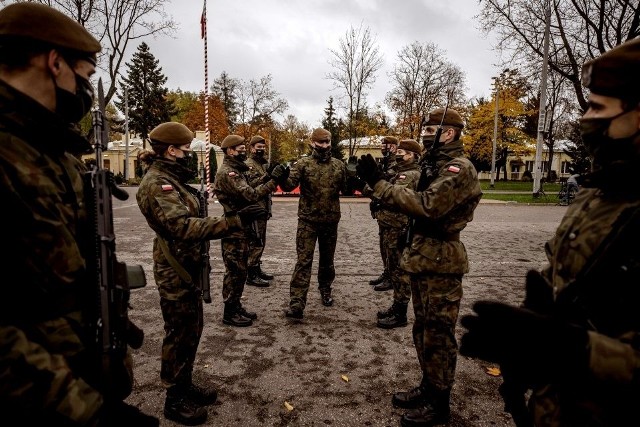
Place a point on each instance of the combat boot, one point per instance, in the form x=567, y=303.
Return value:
x=385, y=285
x=414, y=398
x=325, y=293
x=233, y=317
x=254, y=279
x=248, y=314
x=201, y=395
x=397, y=319
x=263, y=275
x=293, y=313
x=388, y=312
x=384, y=275
x=178, y=408
x=435, y=412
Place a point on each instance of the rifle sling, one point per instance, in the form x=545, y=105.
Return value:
x=184, y=274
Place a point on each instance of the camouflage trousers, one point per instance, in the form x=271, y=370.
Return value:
x=183, y=322
x=326, y=234
x=383, y=252
x=235, y=253
x=255, y=249
x=436, y=303
x=399, y=278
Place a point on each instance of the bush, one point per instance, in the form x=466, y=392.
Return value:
x=119, y=178
x=527, y=176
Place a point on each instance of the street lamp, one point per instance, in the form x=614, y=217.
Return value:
x=495, y=137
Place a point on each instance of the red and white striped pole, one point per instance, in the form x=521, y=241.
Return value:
x=203, y=34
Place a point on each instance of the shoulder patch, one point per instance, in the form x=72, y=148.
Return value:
x=402, y=177
x=232, y=173
x=454, y=169
x=167, y=187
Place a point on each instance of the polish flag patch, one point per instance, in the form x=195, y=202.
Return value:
x=167, y=187
x=232, y=173
x=402, y=177
x=453, y=169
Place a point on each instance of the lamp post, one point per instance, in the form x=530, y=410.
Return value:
x=495, y=137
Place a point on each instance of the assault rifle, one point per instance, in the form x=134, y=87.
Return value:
x=428, y=169
x=113, y=280
x=204, y=281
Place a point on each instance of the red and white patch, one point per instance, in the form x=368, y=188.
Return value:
x=232, y=173
x=167, y=187
x=453, y=169
x=402, y=177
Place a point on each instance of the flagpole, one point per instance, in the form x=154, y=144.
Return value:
x=203, y=29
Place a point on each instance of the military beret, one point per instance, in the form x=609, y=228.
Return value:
x=320, y=134
x=452, y=118
x=390, y=140
x=171, y=133
x=256, y=139
x=232, y=141
x=410, y=145
x=33, y=22
x=615, y=72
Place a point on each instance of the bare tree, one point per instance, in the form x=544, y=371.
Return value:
x=257, y=103
x=580, y=31
x=226, y=88
x=115, y=23
x=355, y=64
x=422, y=79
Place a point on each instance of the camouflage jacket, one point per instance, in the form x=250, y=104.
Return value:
x=42, y=356
x=233, y=190
x=440, y=212
x=321, y=184
x=407, y=176
x=172, y=209
x=256, y=175
x=611, y=300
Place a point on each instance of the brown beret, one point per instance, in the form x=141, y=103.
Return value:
x=256, y=139
x=43, y=24
x=452, y=118
x=410, y=145
x=616, y=72
x=232, y=141
x=320, y=134
x=171, y=133
x=390, y=140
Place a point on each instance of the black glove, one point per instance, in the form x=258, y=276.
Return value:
x=120, y=413
x=539, y=293
x=356, y=184
x=280, y=173
x=538, y=349
x=368, y=170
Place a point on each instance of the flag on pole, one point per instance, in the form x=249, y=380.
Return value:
x=203, y=20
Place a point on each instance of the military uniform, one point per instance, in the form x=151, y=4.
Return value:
x=321, y=181
x=235, y=193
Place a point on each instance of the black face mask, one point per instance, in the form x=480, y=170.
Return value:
x=72, y=107
x=399, y=158
x=427, y=141
x=241, y=156
x=322, y=153
x=601, y=146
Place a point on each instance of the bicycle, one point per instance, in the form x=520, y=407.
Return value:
x=566, y=194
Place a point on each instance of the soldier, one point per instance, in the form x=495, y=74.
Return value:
x=51, y=374
x=435, y=258
x=256, y=175
x=575, y=343
x=393, y=229
x=321, y=179
x=388, y=149
x=172, y=209
x=236, y=195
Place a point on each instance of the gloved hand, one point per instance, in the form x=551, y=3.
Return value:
x=537, y=348
x=120, y=413
x=539, y=293
x=233, y=220
x=280, y=173
x=368, y=170
x=356, y=184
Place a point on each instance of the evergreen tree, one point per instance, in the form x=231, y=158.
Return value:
x=330, y=123
x=225, y=88
x=148, y=102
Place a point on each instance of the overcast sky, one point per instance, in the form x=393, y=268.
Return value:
x=290, y=39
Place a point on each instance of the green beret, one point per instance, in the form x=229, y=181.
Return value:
x=410, y=145
x=452, y=118
x=616, y=72
x=256, y=139
x=390, y=140
x=171, y=133
x=232, y=141
x=33, y=22
x=320, y=134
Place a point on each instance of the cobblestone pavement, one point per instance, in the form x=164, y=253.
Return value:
x=336, y=367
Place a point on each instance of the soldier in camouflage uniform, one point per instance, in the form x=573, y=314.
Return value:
x=393, y=226
x=388, y=149
x=172, y=209
x=232, y=188
x=575, y=343
x=321, y=179
x=49, y=367
x=435, y=258
x=256, y=175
